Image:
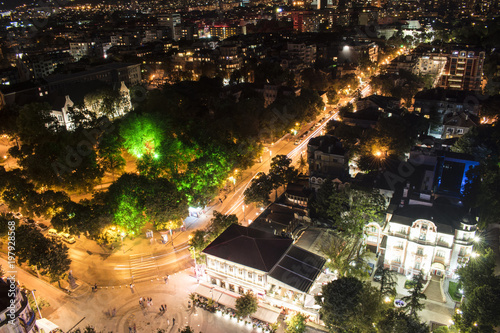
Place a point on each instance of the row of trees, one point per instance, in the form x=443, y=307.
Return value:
x=280, y=173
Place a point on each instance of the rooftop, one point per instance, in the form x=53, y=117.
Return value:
x=249, y=247
x=298, y=268
x=446, y=217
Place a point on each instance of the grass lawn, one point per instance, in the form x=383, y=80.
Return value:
x=453, y=291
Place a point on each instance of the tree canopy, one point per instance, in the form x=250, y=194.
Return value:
x=246, y=304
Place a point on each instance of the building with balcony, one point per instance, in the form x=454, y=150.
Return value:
x=463, y=69
x=435, y=239
x=16, y=314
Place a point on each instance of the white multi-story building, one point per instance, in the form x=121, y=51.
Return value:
x=434, y=239
x=431, y=64
x=244, y=259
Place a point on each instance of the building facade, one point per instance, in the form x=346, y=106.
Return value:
x=279, y=273
x=432, y=239
x=24, y=320
x=327, y=159
x=463, y=70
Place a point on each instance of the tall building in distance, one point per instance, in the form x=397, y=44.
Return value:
x=170, y=21
x=463, y=69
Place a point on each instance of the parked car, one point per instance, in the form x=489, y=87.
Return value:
x=67, y=238
x=52, y=233
x=378, y=275
x=297, y=141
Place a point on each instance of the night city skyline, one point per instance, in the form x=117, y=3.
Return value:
x=250, y=166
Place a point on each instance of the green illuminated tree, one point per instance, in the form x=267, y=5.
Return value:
x=204, y=176
x=129, y=213
x=142, y=134
x=149, y=165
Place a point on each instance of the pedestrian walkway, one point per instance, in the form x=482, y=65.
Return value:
x=143, y=268
x=433, y=290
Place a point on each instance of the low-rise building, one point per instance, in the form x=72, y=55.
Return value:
x=327, y=159
x=456, y=125
x=279, y=273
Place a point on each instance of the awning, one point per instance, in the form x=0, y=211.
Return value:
x=216, y=295
x=226, y=300
x=266, y=315
x=45, y=325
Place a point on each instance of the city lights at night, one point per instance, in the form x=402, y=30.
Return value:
x=249, y=166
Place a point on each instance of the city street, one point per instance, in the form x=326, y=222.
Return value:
x=116, y=309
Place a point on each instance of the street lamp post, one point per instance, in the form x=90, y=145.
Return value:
x=36, y=303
